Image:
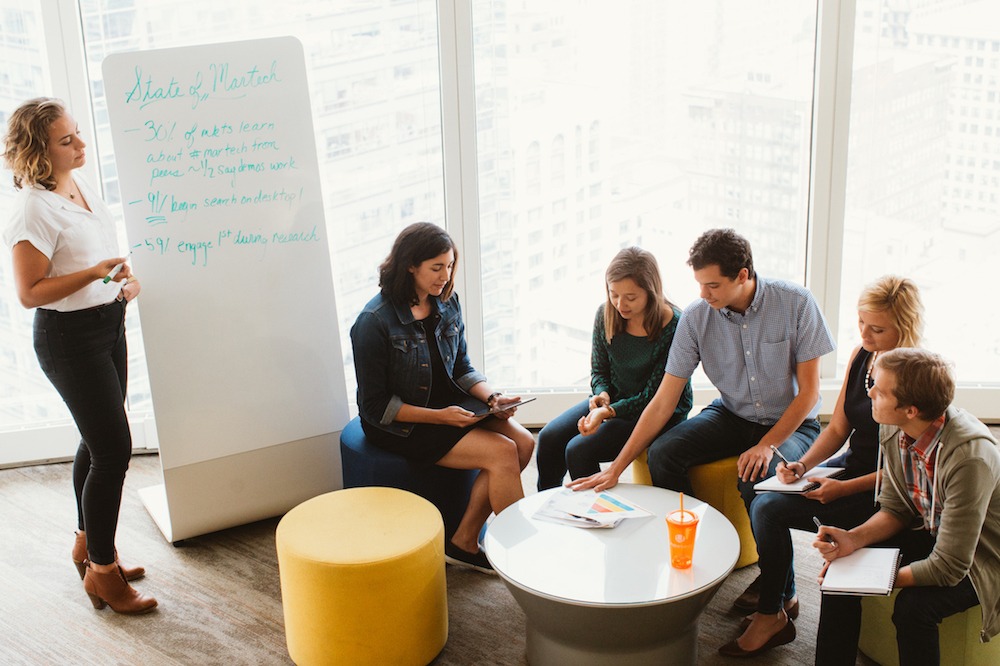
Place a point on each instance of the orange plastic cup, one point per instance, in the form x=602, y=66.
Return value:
x=682, y=526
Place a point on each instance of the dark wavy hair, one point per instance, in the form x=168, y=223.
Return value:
x=724, y=248
x=415, y=244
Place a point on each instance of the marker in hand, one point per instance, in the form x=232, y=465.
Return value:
x=785, y=460
x=829, y=539
x=114, y=272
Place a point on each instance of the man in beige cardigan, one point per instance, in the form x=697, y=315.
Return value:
x=939, y=503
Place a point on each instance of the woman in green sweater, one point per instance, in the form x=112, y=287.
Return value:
x=633, y=330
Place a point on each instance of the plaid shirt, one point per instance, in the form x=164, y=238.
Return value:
x=919, y=457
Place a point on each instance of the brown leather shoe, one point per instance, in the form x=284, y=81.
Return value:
x=785, y=635
x=747, y=602
x=80, y=560
x=113, y=590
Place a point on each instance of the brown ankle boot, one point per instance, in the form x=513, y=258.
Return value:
x=80, y=560
x=112, y=589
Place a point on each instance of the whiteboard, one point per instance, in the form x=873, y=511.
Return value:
x=223, y=207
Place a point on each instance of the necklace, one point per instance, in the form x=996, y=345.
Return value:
x=868, y=372
x=69, y=192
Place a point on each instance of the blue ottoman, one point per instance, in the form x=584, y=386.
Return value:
x=367, y=465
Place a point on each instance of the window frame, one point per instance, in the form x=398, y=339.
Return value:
x=64, y=48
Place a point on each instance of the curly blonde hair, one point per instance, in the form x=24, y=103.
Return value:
x=26, y=145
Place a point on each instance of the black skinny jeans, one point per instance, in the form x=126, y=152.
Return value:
x=84, y=355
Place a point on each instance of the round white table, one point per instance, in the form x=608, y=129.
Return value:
x=593, y=595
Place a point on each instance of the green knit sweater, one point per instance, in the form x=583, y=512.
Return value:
x=630, y=368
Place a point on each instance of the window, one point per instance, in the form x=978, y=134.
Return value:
x=673, y=108
x=26, y=397
x=375, y=75
x=919, y=200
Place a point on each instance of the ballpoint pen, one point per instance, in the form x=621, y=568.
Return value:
x=829, y=539
x=784, y=460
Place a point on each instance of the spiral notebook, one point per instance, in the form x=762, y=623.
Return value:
x=773, y=484
x=866, y=571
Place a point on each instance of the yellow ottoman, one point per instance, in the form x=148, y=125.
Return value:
x=958, y=635
x=714, y=483
x=362, y=578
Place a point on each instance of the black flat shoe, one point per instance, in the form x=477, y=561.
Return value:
x=463, y=558
x=784, y=636
x=747, y=602
x=791, y=611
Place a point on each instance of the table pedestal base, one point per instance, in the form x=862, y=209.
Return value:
x=561, y=633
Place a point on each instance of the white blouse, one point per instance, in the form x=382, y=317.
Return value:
x=70, y=236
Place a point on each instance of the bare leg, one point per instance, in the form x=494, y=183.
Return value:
x=500, y=450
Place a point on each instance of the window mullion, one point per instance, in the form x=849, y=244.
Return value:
x=458, y=136
x=63, y=29
x=828, y=171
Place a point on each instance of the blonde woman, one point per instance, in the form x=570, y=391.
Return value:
x=63, y=241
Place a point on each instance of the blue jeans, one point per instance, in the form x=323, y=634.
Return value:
x=714, y=434
x=773, y=514
x=561, y=447
x=84, y=355
x=917, y=613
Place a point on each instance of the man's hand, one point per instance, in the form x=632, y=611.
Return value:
x=833, y=542
x=752, y=463
x=600, y=481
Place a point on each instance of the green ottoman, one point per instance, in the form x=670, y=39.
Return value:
x=959, y=636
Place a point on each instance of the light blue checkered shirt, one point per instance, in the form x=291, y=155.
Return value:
x=751, y=357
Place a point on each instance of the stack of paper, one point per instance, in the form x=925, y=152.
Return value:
x=588, y=509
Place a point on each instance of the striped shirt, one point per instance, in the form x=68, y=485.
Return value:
x=919, y=457
x=751, y=357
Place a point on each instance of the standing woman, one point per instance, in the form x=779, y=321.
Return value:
x=64, y=243
x=890, y=315
x=633, y=330
x=413, y=372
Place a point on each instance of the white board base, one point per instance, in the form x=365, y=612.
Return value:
x=235, y=490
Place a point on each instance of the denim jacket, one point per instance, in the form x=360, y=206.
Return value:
x=392, y=359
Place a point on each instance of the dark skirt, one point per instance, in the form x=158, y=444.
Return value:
x=427, y=442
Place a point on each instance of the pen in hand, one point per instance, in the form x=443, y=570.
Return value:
x=784, y=460
x=829, y=539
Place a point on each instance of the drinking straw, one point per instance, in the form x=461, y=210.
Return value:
x=682, y=506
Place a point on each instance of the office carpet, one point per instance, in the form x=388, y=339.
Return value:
x=220, y=599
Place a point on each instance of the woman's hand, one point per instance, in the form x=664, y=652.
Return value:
x=131, y=289
x=459, y=417
x=589, y=424
x=500, y=412
x=791, y=472
x=828, y=491
x=130, y=283
x=602, y=399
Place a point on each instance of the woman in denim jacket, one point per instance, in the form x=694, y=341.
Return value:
x=410, y=392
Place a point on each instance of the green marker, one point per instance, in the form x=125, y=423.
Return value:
x=114, y=272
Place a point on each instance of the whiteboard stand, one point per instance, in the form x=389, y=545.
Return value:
x=223, y=204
